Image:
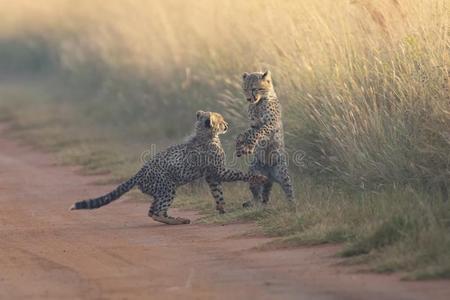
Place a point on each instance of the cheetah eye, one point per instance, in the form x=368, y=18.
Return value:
x=208, y=123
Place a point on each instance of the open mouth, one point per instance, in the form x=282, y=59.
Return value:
x=225, y=129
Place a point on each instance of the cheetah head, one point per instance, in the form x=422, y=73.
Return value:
x=256, y=85
x=211, y=122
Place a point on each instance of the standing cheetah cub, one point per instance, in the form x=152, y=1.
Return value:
x=201, y=156
x=264, y=138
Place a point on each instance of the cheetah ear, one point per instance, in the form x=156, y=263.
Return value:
x=210, y=121
x=267, y=75
x=244, y=75
x=200, y=113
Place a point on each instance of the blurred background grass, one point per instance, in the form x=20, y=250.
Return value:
x=364, y=87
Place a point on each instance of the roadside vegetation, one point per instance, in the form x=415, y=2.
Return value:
x=364, y=87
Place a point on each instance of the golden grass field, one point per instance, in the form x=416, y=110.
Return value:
x=364, y=87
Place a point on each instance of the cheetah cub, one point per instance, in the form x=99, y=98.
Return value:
x=200, y=156
x=264, y=138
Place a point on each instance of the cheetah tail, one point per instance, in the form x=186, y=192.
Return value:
x=106, y=199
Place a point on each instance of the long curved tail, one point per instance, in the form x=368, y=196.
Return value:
x=106, y=199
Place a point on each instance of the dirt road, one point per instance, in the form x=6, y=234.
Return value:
x=117, y=252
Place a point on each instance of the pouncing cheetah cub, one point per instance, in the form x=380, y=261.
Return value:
x=264, y=138
x=200, y=156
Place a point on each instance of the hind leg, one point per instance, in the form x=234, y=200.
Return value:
x=159, y=208
x=163, y=191
x=256, y=168
x=281, y=175
x=266, y=189
x=256, y=190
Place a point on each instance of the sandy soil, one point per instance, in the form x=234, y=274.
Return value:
x=117, y=252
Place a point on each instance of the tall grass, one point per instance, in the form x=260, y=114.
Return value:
x=364, y=84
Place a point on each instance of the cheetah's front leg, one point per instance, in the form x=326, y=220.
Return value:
x=217, y=193
x=242, y=146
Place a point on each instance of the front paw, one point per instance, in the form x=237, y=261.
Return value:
x=243, y=148
x=257, y=179
x=220, y=208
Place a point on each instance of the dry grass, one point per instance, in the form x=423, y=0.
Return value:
x=365, y=89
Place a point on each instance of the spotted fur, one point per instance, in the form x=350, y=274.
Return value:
x=201, y=156
x=264, y=138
